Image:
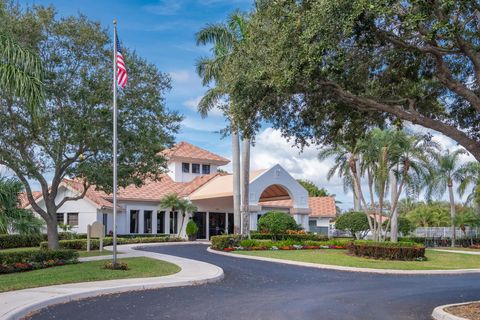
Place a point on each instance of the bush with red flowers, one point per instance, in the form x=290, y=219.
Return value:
x=26, y=260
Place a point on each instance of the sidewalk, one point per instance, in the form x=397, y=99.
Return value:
x=458, y=251
x=16, y=304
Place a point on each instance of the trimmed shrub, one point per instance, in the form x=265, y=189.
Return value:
x=81, y=244
x=354, y=222
x=191, y=228
x=24, y=260
x=120, y=265
x=9, y=241
x=277, y=223
x=225, y=241
x=297, y=237
x=387, y=250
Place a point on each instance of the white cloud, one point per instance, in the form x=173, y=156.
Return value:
x=192, y=104
x=271, y=148
x=164, y=7
x=181, y=75
x=203, y=124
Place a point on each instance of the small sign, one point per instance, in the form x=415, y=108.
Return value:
x=95, y=230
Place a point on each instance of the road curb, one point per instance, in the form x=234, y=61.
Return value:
x=19, y=303
x=439, y=312
x=348, y=269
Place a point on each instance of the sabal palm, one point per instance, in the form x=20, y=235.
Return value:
x=224, y=37
x=343, y=156
x=21, y=73
x=185, y=206
x=446, y=172
x=469, y=176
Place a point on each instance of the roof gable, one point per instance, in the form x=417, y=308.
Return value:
x=185, y=150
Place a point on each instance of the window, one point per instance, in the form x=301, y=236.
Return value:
x=195, y=168
x=161, y=222
x=72, y=219
x=206, y=169
x=60, y=216
x=134, y=221
x=147, y=221
x=185, y=167
x=173, y=222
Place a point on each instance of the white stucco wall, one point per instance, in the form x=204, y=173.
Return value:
x=87, y=211
x=278, y=175
x=177, y=174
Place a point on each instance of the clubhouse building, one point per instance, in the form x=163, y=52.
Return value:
x=193, y=174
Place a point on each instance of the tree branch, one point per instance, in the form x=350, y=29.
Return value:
x=86, y=186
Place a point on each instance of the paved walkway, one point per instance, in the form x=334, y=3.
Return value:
x=16, y=304
x=264, y=290
x=458, y=251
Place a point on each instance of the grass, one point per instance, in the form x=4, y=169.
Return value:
x=435, y=259
x=81, y=254
x=86, y=271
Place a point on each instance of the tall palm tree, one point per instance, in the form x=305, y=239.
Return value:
x=172, y=202
x=21, y=73
x=446, y=172
x=12, y=217
x=470, y=176
x=224, y=37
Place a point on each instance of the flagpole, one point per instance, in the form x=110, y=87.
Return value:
x=114, y=142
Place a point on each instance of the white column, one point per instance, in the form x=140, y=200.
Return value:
x=226, y=222
x=154, y=221
x=127, y=216
x=167, y=222
x=207, y=231
x=141, y=228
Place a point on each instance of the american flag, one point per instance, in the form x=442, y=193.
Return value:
x=122, y=76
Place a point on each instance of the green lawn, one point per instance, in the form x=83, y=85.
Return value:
x=86, y=271
x=435, y=259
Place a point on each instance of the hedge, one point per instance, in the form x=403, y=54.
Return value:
x=24, y=260
x=231, y=241
x=81, y=244
x=298, y=237
x=226, y=241
x=10, y=241
x=387, y=250
x=442, y=241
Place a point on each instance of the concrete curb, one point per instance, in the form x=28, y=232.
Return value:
x=349, y=269
x=439, y=312
x=17, y=304
x=458, y=251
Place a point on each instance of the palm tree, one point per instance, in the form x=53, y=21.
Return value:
x=185, y=206
x=171, y=201
x=224, y=37
x=12, y=217
x=21, y=73
x=446, y=172
x=344, y=156
x=470, y=176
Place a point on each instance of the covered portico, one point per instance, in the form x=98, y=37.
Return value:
x=268, y=189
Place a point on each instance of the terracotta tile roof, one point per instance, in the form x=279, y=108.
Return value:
x=323, y=207
x=97, y=196
x=151, y=190
x=197, y=183
x=185, y=150
x=23, y=200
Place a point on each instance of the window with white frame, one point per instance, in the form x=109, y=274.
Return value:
x=195, y=168
x=206, y=169
x=185, y=167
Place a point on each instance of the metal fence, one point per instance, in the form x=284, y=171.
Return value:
x=445, y=232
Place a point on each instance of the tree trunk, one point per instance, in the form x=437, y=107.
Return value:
x=52, y=234
x=356, y=198
x=236, y=180
x=452, y=212
x=394, y=213
x=245, y=186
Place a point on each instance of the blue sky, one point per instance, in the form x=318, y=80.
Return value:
x=163, y=32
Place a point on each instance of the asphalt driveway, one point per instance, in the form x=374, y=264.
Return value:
x=263, y=290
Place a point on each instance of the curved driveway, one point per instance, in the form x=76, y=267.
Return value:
x=264, y=290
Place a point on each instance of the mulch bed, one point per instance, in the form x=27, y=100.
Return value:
x=469, y=311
